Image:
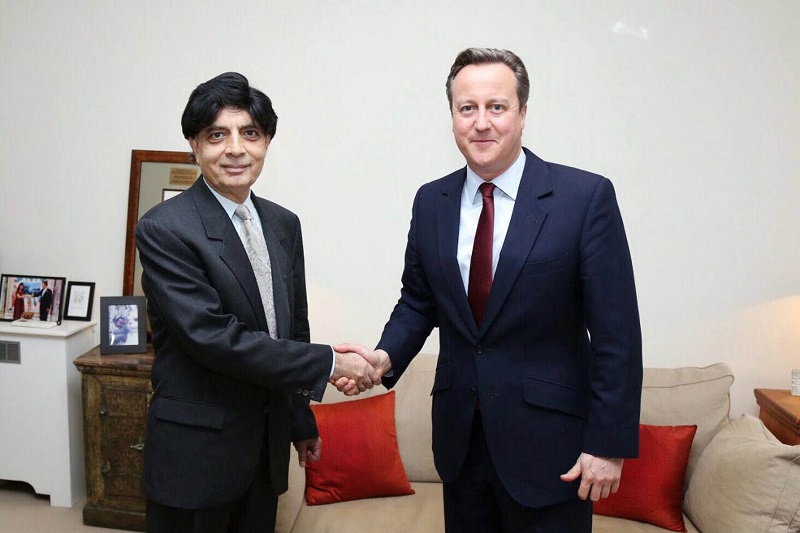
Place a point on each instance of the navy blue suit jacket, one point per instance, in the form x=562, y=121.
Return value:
x=221, y=385
x=556, y=362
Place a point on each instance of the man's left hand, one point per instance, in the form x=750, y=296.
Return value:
x=308, y=450
x=599, y=476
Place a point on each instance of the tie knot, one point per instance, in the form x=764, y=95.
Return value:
x=486, y=188
x=242, y=212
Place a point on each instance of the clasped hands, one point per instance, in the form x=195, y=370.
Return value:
x=358, y=368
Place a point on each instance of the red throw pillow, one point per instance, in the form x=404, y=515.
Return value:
x=651, y=487
x=360, y=458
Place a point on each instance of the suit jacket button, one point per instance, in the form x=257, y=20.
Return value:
x=299, y=391
x=479, y=349
x=305, y=393
x=313, y=394
x=473, y=391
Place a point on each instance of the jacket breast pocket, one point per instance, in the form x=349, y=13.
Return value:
x=554, y=396
x=443, y=379
x=190, y=413
x=551, y=265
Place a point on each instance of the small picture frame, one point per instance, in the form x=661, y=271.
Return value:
x=79, y=301
x=31, y=300
x=122, y=324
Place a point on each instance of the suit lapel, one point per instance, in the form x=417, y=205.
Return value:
x=220, y=228
x=449, y=217
x=275, y=238
x=526, y=221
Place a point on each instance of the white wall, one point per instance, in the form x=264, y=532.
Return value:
x=691, y=108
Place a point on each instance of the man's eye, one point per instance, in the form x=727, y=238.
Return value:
x=498, y=108
x=466, y=109
x=252, y=134
x=215, y=136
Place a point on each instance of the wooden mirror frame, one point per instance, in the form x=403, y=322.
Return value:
x=134, y=192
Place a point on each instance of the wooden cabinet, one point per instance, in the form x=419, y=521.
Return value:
x=780, y=412
x=116, y=395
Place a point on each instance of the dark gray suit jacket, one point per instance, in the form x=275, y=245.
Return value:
x=219, y=380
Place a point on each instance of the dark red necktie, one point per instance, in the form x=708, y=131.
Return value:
x=480, y=268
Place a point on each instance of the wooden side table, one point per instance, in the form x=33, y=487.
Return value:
x=116, y=396
x=780, y=412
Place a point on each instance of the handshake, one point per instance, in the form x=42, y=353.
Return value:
x=358, y=368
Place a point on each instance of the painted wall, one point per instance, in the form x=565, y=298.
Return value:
x=691, y=108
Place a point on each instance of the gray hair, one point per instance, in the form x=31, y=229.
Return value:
x=483, y=56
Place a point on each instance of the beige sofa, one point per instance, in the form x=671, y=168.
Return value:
x=742, y=481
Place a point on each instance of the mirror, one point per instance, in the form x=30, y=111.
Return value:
x=155, y=176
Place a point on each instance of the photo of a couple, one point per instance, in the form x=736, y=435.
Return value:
x=31, y=298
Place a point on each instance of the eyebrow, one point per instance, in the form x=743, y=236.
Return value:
x=215, y=128
x=497, y=100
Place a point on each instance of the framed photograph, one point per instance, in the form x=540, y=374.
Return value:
x=120, y=327
x=78, y=304
x=34, y=299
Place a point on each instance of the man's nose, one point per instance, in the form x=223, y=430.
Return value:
x=235, y=145
x=482, y=121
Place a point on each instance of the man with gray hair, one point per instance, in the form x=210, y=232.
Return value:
x=525, y=268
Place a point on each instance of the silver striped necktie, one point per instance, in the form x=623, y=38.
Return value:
x=256, y=248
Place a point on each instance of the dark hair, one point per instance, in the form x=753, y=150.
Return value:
x=227, y=90
x=483, y=56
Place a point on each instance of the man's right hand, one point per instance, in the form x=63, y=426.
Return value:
x=377, y=359
x=354, y=372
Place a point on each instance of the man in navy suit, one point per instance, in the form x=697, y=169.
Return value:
x=529, y=279
x=233, y=371
x=45, y=301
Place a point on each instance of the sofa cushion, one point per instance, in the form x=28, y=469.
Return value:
x=610, y=524
x=746, y=481
x=360, y=458
x=651, y=487
x=688, y=396
x=419, y=513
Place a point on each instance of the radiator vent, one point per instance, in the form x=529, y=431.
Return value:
x=9, y=352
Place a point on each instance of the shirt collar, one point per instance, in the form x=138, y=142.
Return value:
x=508, y=182
x=229, y=205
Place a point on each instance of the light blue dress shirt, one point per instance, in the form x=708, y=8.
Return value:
x=230, y=208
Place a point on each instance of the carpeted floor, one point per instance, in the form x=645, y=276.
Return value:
x=22, y=511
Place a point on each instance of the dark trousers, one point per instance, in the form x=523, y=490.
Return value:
x=477, y=502
x=253, y=512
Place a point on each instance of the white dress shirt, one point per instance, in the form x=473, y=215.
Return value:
x=505, y=194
